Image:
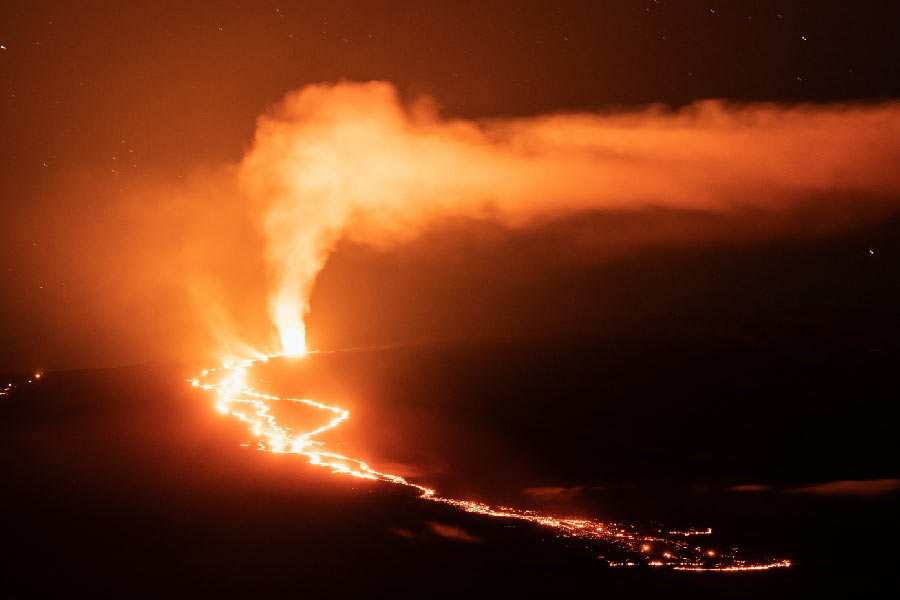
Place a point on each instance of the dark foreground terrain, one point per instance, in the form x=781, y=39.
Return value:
x=127, y=482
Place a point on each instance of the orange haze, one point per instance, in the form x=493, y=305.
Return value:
x=121, y=270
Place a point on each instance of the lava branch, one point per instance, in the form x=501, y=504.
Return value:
x=661, y=549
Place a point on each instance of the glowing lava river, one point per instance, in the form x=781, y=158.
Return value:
x=660, y=548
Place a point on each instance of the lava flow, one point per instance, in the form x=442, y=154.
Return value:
x=630, y=546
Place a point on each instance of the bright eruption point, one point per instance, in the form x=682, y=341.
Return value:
x=293, y=341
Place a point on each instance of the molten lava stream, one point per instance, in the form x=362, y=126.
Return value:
x=657, y=549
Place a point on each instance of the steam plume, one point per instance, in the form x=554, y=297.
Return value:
x=352, y=160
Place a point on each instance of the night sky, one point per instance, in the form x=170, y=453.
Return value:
x=109, y=107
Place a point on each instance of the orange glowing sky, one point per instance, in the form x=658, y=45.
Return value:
x=139, y=145
x=666, y=233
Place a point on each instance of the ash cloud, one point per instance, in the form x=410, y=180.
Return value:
x=352, y=161
x=452, y=532
x=863, y=488
x=555, y=493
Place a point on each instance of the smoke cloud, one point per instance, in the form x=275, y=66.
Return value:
x=351, y=160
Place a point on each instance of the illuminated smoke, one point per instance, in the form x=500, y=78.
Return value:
x=351, y=160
